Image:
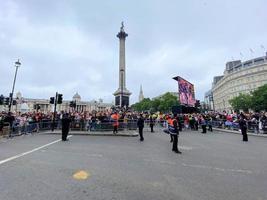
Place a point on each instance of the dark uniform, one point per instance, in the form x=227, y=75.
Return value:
x=65, y=126
x=140, y=124
x=243, y=127
x=151, y=123
x=175, y=134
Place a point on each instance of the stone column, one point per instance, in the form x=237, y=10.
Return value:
x=122, y=94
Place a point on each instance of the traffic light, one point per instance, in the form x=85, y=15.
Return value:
x=197, y=104
x=52, y=100
x=59, y=98
x=14, y=102
x=2, y=98
x=7, y=100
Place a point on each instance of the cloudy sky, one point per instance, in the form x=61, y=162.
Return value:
x=71, y=45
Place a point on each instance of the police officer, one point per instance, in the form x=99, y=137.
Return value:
x=65, y=126
x=140, y=124
x=243, y=127
x=151, y=123
x=169, y=123
x=175, y=134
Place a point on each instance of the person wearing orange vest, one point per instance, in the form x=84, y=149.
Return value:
x=169, y=121
x=175, y=133
x=115, y=118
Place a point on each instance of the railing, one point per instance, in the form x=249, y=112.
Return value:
x=4, y=129
x=251, y=126
x=76, y=125
x=80, y=125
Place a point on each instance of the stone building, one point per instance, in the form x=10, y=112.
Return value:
x=239, y=77
x=43, y=105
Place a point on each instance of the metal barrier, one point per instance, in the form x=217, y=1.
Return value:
x=5, y=131
x=77, y=125
x=251, y=126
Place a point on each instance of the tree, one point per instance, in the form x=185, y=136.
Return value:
x=259, y=98
x=167, y=101
x=162, y=104
x=241, y=102
x=144, y=105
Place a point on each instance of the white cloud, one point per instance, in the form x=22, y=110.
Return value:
x=70, y=46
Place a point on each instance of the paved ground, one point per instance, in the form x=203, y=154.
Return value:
x=216, y=166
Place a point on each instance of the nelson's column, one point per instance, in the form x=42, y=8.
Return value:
x=122, y=95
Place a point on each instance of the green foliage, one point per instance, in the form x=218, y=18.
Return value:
x=241, y=102
x=259, y=98
x=256, y=100
x=162, y=104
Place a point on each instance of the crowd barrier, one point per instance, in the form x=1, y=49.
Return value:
x=251, y=126
x=76, y=125
x=79, y=125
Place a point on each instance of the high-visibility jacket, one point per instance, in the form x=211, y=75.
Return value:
x=173, y=128
x=115, y=118
x=170, y=121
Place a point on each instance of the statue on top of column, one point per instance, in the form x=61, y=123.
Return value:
x=122, y=26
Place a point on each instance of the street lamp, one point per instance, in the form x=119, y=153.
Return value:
x=17, y=65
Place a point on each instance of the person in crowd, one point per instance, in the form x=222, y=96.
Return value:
x=209, y=121
x=175, y=133
x=180, y=122
x=151, y=123
x=186, y=121
x=115, y=117
x=169, y=123
x=196, y=122
x=203, y=124
x=243, y=126
x=140, y=125
x=66, y=120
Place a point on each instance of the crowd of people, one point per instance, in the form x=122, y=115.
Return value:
x=256, y=121
x=171, y=123
x=90, y=120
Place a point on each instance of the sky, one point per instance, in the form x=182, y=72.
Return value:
x=70, y=46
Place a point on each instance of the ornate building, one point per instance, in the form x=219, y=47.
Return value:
x=43, y=105
x=239, y=77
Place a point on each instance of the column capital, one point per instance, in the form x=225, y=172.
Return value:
x=122, y=35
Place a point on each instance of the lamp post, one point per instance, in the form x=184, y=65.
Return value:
x=17, y=65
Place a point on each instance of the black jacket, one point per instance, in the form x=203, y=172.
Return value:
x=140, y=122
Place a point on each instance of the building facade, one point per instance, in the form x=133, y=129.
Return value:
x=43, y=105
x=208, y=101
x=239, y=77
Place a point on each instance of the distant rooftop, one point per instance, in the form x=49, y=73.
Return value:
x=237, y=65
